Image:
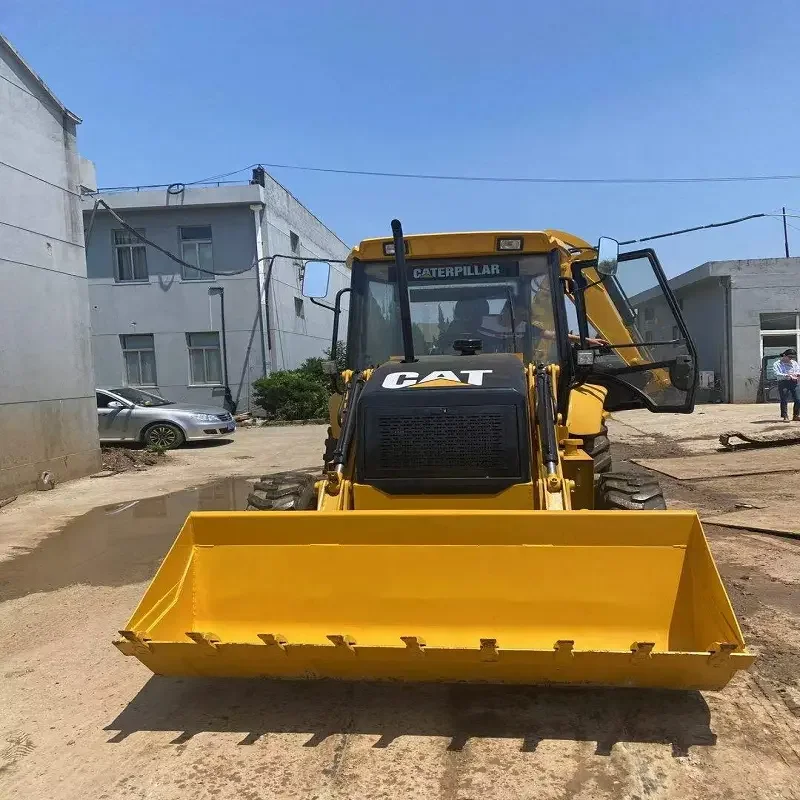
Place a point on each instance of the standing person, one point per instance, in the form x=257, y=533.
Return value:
x=787, y=371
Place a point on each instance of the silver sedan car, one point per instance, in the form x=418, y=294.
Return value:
x=132, y=415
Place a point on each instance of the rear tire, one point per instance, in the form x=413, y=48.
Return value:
x=628, y=491
x=599, y=448
x=284, y=491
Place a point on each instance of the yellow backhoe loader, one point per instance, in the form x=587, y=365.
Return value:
x=468, y=525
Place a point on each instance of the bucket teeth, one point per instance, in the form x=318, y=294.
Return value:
x=641, y=651
x=562, y=650
x=134, y=642
x=415, y=644
x=343, y=641
x=489, y=651
x=208, y=639
x=720, y=653
x=275, y=640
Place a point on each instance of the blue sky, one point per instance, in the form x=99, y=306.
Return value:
x=181, y=90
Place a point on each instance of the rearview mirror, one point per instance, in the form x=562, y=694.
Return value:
x=316, y=276
x=114, y=404
x=607, y=256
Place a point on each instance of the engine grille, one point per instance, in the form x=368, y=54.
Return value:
x=454, y=440
x=442, y=442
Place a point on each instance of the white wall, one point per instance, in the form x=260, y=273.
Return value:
x=48, y=418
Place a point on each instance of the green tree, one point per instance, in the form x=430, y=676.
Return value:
x=300, y=393
x=341, y=356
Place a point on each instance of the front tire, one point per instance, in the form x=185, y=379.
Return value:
x=628, y=491
x=599, y=448
x=284, y=491
x=163, y=435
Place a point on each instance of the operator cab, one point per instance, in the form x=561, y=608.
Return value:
x=610, y=319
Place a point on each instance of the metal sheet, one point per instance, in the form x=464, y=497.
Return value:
x=721, y=465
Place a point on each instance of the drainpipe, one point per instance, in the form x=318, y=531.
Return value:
x=727, y=361
x=230, y=405
x=258, y=210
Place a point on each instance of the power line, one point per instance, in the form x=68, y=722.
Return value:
x=142, y=238
x=516, y=179
x=220, y=176
x=695, y=228
x=39, y=178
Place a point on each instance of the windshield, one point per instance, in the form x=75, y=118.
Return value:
x=505, y=302
x=140, y=398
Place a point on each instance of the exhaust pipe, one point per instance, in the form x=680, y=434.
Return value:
x=402, y=292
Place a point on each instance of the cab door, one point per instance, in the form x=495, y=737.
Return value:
x=650, y=361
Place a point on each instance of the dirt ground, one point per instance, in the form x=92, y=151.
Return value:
x=79, y=720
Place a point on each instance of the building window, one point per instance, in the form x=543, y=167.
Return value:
x=294, y=242
x=205, y=363
x=139, y=354
x=779, y=321
x=130, y=256
x=675, y=332
x=649, y=313
x=196, y=250
x=299, y=311
x=648, y=336
x=779, y=331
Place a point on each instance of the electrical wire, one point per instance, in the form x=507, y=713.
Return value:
x=43, y=235
x=222, y=175
x=695, y=228
x=514, y=179
x=39, y=178
x=500, y=179
x=142, y=238
x=98, y=202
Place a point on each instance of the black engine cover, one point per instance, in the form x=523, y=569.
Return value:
x=445, y=424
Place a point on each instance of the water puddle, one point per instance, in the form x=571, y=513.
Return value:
x=115, y=545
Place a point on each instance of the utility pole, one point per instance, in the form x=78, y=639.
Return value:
x=785, y=234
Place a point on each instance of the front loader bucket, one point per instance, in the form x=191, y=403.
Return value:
x=577, y=597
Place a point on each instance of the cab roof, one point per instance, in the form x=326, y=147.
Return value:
x=472, y=243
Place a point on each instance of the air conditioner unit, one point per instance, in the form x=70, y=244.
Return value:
x=706, y=379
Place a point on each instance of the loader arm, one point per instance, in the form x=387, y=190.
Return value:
x=601, y=311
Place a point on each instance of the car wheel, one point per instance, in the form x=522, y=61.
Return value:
x=164, y=435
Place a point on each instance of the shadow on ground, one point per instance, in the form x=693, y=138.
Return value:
x=390, y=710
x=205, y=444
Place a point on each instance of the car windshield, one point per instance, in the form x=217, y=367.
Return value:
x=506, y=303
x=140, y=398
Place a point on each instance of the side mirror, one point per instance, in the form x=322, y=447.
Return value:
x=316, y=277
x=607, y=256
x=114, y=404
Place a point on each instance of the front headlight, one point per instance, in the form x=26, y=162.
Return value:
x=205, y=418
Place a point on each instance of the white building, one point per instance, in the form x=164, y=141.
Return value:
x=48, y=417
x=158, y=324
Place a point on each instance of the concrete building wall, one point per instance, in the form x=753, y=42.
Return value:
x=48, y=418
x=248, y=223
x=704, y=312
x=298, y=336
x=169, y=307
x=723, y=302
x=757, y=287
